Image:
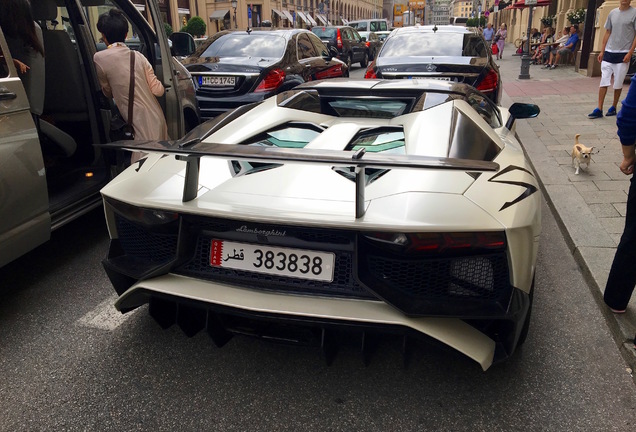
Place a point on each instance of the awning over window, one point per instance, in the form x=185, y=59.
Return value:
x=322, y=19
x=279, y=13
x=219, y=14
x=313, y=21
x=521, y=4
x=288, y=16
x=302, y=17
x=183, y=11
x=140, y=8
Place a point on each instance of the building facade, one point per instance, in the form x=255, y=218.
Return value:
x=461, y=8
x=440, y=12
x=222, y=15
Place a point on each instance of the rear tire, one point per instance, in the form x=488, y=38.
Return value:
x=365, y=60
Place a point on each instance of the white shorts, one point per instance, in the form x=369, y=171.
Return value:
x=619, y=70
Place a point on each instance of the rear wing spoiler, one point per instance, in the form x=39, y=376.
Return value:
x=193, y=150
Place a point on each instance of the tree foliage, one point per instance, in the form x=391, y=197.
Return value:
x=476, y=22
x=195, y=26
x=168, y=28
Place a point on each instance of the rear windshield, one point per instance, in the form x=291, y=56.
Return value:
x=434, y=44
x=324, y=33
x=246, y=45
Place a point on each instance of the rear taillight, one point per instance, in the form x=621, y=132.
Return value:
x=370, y=73
x=489, y=83
x=367, y=44
x=272, y=81
x=441, y=242
x=339, y=39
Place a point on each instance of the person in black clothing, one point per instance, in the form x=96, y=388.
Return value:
x=622, y=277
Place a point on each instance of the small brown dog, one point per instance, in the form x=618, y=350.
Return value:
x=581, y=155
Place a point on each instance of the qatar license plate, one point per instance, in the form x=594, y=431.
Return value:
x=218, y=81
x=296, y=263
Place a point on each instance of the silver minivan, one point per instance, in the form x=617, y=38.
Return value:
x=50, y=170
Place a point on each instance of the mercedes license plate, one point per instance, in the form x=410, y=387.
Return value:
x=218, y=81
x=296, y=263
x=431, y=77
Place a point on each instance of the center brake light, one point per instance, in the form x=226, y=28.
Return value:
x=339, y=39
x=272, y=81
x=489, y=83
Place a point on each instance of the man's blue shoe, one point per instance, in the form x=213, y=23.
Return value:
x=611, y=111
x=597, y=113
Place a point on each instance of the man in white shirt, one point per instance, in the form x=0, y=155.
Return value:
x=618, y=46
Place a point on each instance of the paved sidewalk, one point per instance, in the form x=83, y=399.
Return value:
x=590, y=207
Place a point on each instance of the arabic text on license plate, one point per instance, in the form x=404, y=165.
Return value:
x=296, y=263
x=218, y=81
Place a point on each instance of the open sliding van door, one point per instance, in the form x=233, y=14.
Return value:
x=25, y=221
x=167, y=74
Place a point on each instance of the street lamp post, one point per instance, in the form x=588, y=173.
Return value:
x=525, y=58
x=234, y=4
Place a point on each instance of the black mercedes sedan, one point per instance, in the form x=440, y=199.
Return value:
x=234, y=68
x=448, y=53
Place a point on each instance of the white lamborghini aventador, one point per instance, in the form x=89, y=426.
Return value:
x=402, y=206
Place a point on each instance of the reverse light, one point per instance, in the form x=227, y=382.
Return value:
x=272, y=81
x=144, y=216
x=489, y=83
x=339, y=39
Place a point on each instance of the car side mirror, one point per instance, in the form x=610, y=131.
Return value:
x=363, y=38
x=521, y=111
x=330, y=53
x=182, y=44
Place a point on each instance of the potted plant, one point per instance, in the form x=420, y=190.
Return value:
x=576, y=16
x=547, y=21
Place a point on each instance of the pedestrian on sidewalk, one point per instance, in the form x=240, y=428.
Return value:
x=618, y=46
x=622, y=276
x=488, y=33
x=500, y=39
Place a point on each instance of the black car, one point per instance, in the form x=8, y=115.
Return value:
x=351, y=48
x=373, y=43
x=234, y=68
x=449, y=53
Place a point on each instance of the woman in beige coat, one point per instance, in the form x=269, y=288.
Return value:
x=113, y=72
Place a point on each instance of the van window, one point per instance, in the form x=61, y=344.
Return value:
x=458, y=21
x=4, y=68
x=369, y=25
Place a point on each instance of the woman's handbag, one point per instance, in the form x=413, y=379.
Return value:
x=121, y=130
x=495, y=49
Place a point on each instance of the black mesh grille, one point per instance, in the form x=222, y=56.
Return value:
x=451, y=278
x=141, y=243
